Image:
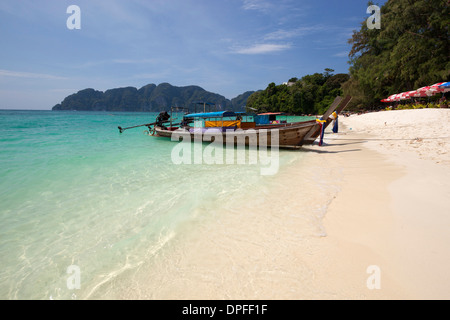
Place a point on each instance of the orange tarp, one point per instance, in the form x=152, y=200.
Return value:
x=225, y=123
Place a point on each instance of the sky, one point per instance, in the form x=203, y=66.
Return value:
x=224, y=46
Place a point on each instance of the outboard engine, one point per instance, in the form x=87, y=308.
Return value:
x=185, y=122
x=161, y=118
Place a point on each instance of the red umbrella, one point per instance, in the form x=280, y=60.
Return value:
x=435, y=89
x=424, y=90
x=406, y=95
x=418, y=94
x=392, y=97
x=410, y=93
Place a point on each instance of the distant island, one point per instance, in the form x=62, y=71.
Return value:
x=150, y=98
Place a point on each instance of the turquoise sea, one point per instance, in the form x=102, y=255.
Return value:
x=81, y=203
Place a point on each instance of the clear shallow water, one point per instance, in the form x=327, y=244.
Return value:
x=73, y=191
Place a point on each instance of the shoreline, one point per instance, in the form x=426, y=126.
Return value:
x=318, y=228
x=359, y=225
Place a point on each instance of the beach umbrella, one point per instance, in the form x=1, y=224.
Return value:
x=425, y=90
x=418, y=94
x=410, y=93
x=445, y=86
x=434, y=89
x=392, y=97
x=398, y=97
x=406, y=95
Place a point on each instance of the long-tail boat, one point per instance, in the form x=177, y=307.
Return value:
x=230, y=128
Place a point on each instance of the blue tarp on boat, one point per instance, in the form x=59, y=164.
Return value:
x=261, y=119
x=217, y=114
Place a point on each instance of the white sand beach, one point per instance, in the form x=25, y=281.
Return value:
x=393, y=209
x=381, y=231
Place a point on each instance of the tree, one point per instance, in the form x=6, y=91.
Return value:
x=312, y=94
x=328, y=72
x=409, y=51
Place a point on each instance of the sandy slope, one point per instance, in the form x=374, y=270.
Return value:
x=396, y=201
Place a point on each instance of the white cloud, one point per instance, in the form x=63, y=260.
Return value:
x=293, y=33
x=29, y=75
x=258, y=5
x=262, y=48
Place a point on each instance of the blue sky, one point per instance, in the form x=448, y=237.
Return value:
x=227, y=46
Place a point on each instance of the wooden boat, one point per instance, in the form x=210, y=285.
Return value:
x=238, y=132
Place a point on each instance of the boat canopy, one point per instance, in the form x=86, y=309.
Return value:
x=267, y=118
x=218, y=114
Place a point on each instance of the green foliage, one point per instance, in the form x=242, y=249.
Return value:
x=240, y=101
x=312, y=94
x=408, y=52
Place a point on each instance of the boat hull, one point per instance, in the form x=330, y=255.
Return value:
x=284, y=136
